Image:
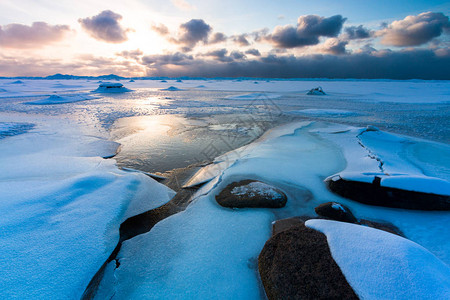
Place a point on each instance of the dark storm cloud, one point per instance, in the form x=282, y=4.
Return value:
x=167, y=59
x=415, y=30
x=309, y=29
x=241, y=40
x=356, y=32
x=219, y=55
x=105, y=27
x=82, y=65
x=194, y=31
x=421, y=64
x=254, y=52
x=37, y=35
x=237, y=55
x=217, y=37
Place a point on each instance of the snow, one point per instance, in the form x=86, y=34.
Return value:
x=416, y=183
x=206, y=174
x=171, y=88
x=324, y=112
x=61, y=206
x=57, y=99
x=381, y=265
x=256, y=188
x=337, y=206
x=253, y=96
x=422, y=184
x=62, y=203
x=13, y=128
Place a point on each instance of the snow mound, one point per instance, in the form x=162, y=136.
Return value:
x=111, y=87
x=57, y=99
x=254, y=96
x=380, y=265
x=171, y=88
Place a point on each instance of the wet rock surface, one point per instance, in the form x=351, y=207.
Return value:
x=251, y=193
x=339, y=212
x=335, y=211
x=385, y=226
x=296, y=263
x=375, y=194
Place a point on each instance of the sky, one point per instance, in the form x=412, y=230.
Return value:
x=304, y=39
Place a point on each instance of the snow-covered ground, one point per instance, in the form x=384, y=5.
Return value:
x=63, y=203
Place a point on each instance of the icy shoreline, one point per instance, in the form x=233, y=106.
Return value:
x=292, y=157
x=61, y=196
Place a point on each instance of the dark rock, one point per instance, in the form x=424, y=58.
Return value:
x=251, y=193
x=284, y=224
x=297, y=264
x=375, y=194
x=388, y=227
x=335, y=211
x=318, y=91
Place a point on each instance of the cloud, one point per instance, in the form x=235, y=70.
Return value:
x=83, y=65
x=133, y=54
x=37, y=35
x=237, y=55
x=183, y=5
x=367, y=49
x=217, y=37
x=356, y=32
x=192, y=32
x=219, y=55
x=254, y=52
x=414, y=30
x=105, y=27
x=309, y=29
x=167, y=59
x=160, y=29
x=409, y=64
x=241, y=40
x=334, y=46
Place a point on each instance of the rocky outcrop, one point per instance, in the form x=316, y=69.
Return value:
x=335, y=211
x=374, y=193
x=318, y=91
x=381, y=225
x=339, y=212
x=251, y=193
x=296, y=263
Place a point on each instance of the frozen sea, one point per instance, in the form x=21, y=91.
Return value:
x=64, y=197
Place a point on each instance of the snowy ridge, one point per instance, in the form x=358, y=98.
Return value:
x=381, y=265
x=57, y=99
